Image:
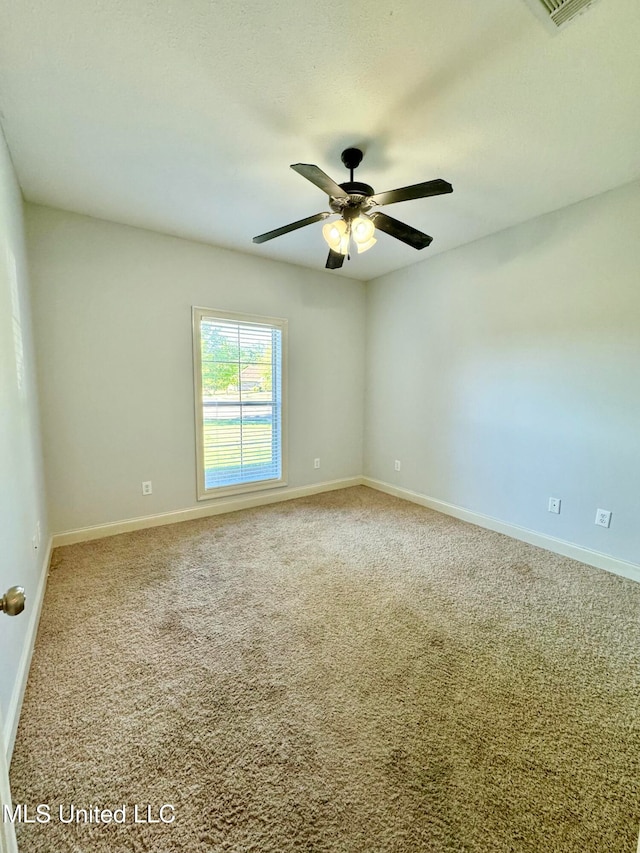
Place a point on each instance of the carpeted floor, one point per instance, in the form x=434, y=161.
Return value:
x=348, y=673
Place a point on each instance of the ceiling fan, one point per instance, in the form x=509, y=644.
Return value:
x=355, y=203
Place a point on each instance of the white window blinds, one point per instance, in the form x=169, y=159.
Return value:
x=239, y=401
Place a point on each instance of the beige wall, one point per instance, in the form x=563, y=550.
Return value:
x=112, y=313
x=507, y=371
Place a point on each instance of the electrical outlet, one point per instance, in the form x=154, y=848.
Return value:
x=147, y=488
x=397, y=465
x=603, y=517
x=554, y=505
x=316, y=463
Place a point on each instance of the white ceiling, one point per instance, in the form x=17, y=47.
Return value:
x=183, y=116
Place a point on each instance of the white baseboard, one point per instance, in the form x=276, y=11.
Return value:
x=15, y=703
x=85, y=534
x=550, y=543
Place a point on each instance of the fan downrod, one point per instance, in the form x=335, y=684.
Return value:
x=352, y=157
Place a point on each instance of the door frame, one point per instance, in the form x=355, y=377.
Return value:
x=8, y=843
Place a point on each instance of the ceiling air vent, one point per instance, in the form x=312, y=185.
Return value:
x=560, y=12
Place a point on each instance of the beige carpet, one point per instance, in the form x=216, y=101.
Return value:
x=347, y=672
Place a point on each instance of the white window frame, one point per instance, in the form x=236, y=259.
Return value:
x=197, y=314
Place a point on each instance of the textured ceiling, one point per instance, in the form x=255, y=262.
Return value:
x=183, y=117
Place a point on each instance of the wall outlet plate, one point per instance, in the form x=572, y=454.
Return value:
x=603, y=517
x=316, y=463
x=397, y=465
x=554, y=505
x=147, y=487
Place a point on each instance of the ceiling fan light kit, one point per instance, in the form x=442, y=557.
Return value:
x=337, y=234
x=355, y=203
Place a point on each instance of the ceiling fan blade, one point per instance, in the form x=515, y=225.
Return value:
x=334, y=261
x=437, y=187
x=320, y=179
x=410, y=236
x=262, y=238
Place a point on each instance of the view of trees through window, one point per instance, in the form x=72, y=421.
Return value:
x=240, y=366
x=229, y=359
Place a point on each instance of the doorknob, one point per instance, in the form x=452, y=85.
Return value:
x=12, y=602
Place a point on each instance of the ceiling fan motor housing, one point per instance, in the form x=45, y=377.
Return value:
x=358, y=198
x=358, y=192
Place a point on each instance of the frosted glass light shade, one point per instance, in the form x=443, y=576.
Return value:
x=362, y=231
x=363, y=247
x=337, y=236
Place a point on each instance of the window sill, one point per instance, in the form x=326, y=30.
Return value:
x=240, y=489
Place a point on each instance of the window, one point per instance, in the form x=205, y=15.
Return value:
x=240, y=389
